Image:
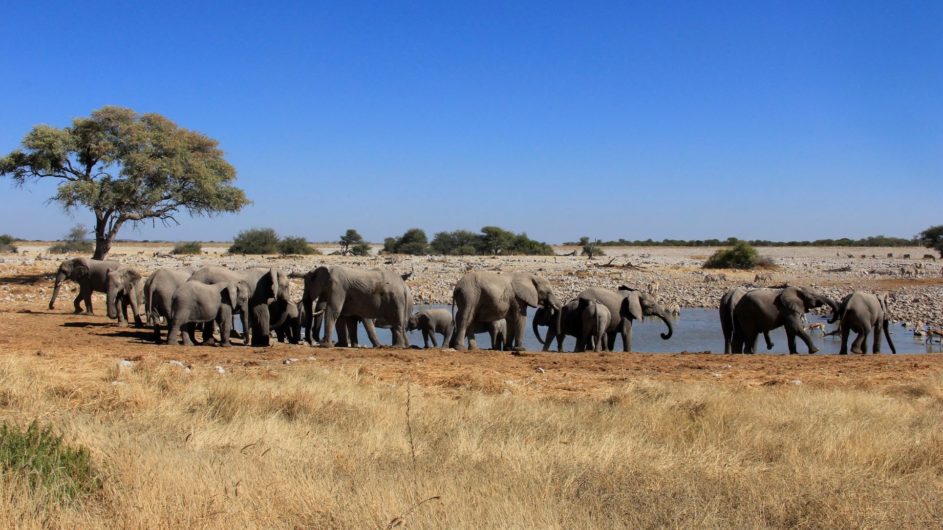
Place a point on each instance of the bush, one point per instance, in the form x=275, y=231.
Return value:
x=360, y=249
x=6, y=243
x=295, y=246
x=75, y=242
x=413, y=242
x=591, y=249
x=255, y=241
x=39, y=456
x=351, y=238
x=188, y=247
x=740, y=256
x=493, y=240
x=932, y=238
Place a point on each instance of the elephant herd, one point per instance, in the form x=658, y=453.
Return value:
x=337, y=299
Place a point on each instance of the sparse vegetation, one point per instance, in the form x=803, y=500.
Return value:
x=873, y=241
x=297, y=246
x=352, y=243
x=255, y=241
x=76, y=241
x=932, y=238
x=50, y=468
x=188, y=247
x=6, y=243
x=413, y=242
x=591, y=249
x=741, y=256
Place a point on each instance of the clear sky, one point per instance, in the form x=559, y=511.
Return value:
x=774, y=120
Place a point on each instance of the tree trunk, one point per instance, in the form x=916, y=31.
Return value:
x=104, y=238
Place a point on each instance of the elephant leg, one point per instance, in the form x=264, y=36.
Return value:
x=173, y=333
x=432, y=339
x=372, y=334
x=806, y=338
x=560, y=338
x=261, y=326
x=225, y=326
x=79, y=298
x=472, y=342
x=876, y=347
x=749, y=341
x=156, y=332
x=858, y=345
x=462, y=323
x=769, y=342
x=209, y=331
x=845, y=331
x=425, y=339
x=627, y=336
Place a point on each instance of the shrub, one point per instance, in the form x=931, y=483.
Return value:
x=591, y=249
x=351, y=238
x=740, y=256
x=360, y=249
x=492, y=240
x=295, y=246
x=932, y=238
x=40, y=457
x=188, y=247
x=255, y=241
x=6, y=243
x=413, y=242
x=75, y=241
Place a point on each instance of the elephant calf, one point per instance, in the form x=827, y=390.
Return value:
x=124, y=288
x=430, y=322
x=595, y=318
x=196, y=301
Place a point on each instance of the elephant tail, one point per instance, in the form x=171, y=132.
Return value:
x=149, y=305
x=537, y=330
x=887, y=334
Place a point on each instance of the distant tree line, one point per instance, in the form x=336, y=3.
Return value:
x=490, y=241
x=873, y=241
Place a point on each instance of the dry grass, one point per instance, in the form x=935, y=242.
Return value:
x=306, y=446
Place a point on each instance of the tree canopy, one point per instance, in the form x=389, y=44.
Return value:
x=125, y=166
x=492, y=240
x=932, y=238
x=413, y=241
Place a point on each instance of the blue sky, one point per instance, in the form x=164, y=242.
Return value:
x=778, y=120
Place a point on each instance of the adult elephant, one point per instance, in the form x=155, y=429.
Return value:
x=362, y=294
x=559, y=323
x=626, y=305
x=158, y=295
x=483, y=297
x=90, y=274
x=266, y=287
x=862, y=312
x=125, y=288
x=727, y=302
x=763, y=310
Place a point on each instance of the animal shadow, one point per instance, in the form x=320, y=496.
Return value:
x=26, y=279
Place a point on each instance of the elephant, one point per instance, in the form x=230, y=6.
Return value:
x=727, y=302
x=861, y=312
x=629, y=304
x=481, y=297
x=90, y=274
x=766, y=309
x=289, y=326
x=266, y=286
x=595, y=318
x=497, y=331
x=125, y=288
x=430, y=322
x=158, y=295
x=195, y=301
x=364, y=294
x=559, y=324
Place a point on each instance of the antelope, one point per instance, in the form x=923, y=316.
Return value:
x=934, y=333
x=817, y=326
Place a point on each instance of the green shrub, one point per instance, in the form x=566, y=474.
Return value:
x=188, y=247
x=591, y=249
x=492, y=240
x=360, y=249
x=75, y=242
x=6, y=243
x=295, y=246
x=255, y=241
x=413, y=242
x=39, y=456
x=740, y=256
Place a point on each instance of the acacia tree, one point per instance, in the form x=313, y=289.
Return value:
x=125, y=166
x=932, y=238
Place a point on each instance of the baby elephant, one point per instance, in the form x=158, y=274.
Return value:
x=430, y=322
x=196, y=301
x=595, y=318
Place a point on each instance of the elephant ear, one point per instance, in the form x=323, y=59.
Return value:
x=80, y=270
x=273, y=279
x=131, y=276
x=631, y=308
x=883, y=299
x=525, y=289
x=230, y=294
x=790, y=300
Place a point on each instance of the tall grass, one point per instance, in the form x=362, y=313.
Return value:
x=310, y=446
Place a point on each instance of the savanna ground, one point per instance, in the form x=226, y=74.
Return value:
x=299, y=437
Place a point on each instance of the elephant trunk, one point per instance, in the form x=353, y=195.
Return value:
x=836, y=310
x=537, y=328
x=60, y=277
x=664, y=317
x=887, y=334
x=112, y=302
